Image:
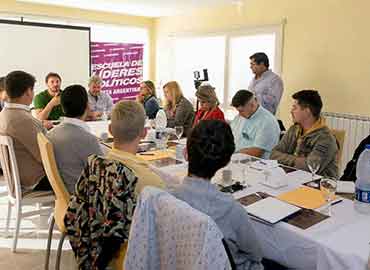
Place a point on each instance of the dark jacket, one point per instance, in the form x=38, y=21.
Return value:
x=151, y=106
x=349, y=173
x=183, y=116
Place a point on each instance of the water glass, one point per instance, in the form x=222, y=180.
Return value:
x=314, y=166
x=161, y=139
x=179, y=130
x=328, y=188
x=104, y=116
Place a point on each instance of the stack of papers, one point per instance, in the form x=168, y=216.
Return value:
x=302, y=176
x=155, y=155
x=271, y=210
x=304, y=197
x=274, y=178
x=264, y=164
x=345, y=187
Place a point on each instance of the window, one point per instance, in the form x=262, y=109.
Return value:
x=196, y=54
x=226, y=56
x=241, y=48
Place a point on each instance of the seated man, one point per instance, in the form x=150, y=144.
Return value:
x=99, y=101
x=72, y=141
x=309, y=138
x=47, y=103
x=17, y=122
x=127, y=128
x=209, y=147
x=255, y=129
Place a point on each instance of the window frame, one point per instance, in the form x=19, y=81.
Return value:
x=277, y=29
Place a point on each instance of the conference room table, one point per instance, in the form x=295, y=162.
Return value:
x=340, y=242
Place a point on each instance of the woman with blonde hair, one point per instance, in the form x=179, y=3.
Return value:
x=208, y=105
x=148, y=98
x=178, y=109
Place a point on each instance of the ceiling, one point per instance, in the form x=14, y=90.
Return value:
x=148, y=8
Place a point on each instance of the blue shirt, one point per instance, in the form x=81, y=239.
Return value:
x=151, y=106
x=261, y=130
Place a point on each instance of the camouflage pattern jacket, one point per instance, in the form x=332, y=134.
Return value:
x=318, y=142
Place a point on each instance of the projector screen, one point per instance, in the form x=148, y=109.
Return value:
x=42, y=48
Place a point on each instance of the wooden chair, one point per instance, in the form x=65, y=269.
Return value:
x=340, y=137
x=61, y=196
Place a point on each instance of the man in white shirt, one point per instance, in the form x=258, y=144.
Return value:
x=266, y=85
x=99, y=101
x=72, y=141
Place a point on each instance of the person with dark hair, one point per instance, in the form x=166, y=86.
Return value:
x=72, y=141
x=148, y=98
x=309, y=138
x=47, y=103
x=209, y=148
x=267, y=86
x=3, y=96
x=349, y=173
x=256, y=130
x=17, y=122
x=208, y=105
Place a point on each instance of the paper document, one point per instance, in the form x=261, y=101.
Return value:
x=271, y=210
x=304, y=197
x=154, y=155
x=345, y=187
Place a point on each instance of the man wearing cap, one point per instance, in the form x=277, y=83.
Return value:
x=208, y=105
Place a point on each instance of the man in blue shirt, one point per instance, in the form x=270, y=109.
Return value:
x=255, y=129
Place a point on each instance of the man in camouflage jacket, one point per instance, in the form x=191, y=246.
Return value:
x=309, y=138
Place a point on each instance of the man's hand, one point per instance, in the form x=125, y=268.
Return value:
x=95, y=115
x=47, y=124
x=55, y=101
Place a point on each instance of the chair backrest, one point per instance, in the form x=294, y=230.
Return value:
x=50, y=166
x=339, y=135
x=177, y=236
x=10, y=167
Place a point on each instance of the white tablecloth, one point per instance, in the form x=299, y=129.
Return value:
x=339, y=242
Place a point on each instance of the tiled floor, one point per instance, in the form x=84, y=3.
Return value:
x=32, y=240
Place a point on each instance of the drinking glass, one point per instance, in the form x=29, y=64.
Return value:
x=179, y=130
x=328, y=187
x=104, y=115
x=313, y=165
x=246, y=167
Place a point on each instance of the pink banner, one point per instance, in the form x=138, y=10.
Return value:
x=120, y=66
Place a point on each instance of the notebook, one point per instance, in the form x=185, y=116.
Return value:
x=271, y=210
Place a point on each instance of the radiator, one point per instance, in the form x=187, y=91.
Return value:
x=356, y=128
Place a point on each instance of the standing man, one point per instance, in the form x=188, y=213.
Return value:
x=99, y=101
x=267, y=86
x=47, y=103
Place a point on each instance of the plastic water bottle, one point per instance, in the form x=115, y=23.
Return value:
x=362, y=202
